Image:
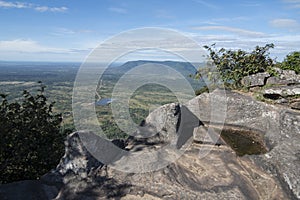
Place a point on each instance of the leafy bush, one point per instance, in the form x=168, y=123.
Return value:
x=233, y=65
x=31, y=138
x=292, y=62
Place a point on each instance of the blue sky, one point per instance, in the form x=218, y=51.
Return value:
x=64, y=30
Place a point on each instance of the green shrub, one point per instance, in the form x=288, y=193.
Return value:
x=31, y=138
x=233, y=65
x=291, y=62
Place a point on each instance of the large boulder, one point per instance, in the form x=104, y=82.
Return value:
x=220, y=174
x=279, y=126
x=281, y=91
x=77, y=159
x=254, y=80
x=295, y=105
x=204, y=171
x=284, y=77
x=28, y=190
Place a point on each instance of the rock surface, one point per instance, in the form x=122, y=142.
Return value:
x=253, y=80
x=204, y=171
x=296, y=105
x=282, y=91
x=285, y=77
x=279, y=126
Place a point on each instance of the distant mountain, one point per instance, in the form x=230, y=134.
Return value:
x=113, y=73
x=185, y=68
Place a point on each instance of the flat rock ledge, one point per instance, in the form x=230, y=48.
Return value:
x=204, y=171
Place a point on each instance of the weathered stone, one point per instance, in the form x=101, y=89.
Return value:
x=200, y=135
x=279, y=81
x=205, y=177
x=285, y=77
x=279, y=126
x=282, y=101
x=295, y=105
x=27, y=190
x=77, y=159
x=220, y=174
x=158, y=129
x=253, y=80
x=204, y=135
x=204, y=171
x=283, y=91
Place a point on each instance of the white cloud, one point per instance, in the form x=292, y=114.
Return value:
x=25, y=5
x=27, y=46
x=164, y=14
x=64, y=31
x=284, y=44
x=5, y=4
x=292, y=3
x=251, y=4
x=206, y=4
x=68, y=32
x=118, y=10
x=51, y=9
x=289, y=24
x=29, y=50
x=238, y=31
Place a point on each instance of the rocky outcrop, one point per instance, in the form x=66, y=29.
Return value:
x=203, y=171
x=296, y=104
x=77, y=159
x=221, y=174
x=279, y=126
x=284, y=77
x=254, y=80
x=283, y=89
x=28, y=190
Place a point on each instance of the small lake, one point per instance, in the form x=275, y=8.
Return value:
x=104, y=102
x=244, y=142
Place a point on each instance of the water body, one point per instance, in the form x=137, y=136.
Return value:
x=104, y=102
x=244, y=142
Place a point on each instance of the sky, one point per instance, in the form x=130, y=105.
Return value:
x=64, y=30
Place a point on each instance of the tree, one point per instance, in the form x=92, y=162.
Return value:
x=31, y=138
x=233, y=65
x=292, y=62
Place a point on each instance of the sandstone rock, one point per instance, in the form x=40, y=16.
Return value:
x=295, y=105
x=203, y=135
x=279, y=81
x=253, y=80
x=204, y=171
x=280, y=128
x=77, y=159
x=221, y=174
x=162, y=120
x=282, y=101
x=169, y=124
x=285, y=77
x=200, y=135
x=27, y=190
x=283, y=91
